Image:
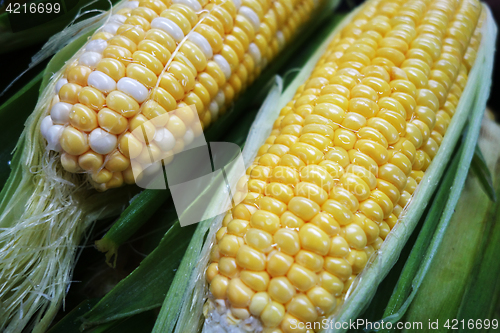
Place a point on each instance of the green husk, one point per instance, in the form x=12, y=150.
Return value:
x=459, y=256
x=359, y=296
x=44, y=213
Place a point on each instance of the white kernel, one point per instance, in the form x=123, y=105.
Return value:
x=46, y=125
x=90, y=59
x=248, y=13
x=195, y=5
x=164, y=139
x=169, y=27
x=214, y=110
x=132, y=4
x=188, y=137
x=220, y=98
x=237, y=4
x=53, y=135
x=96, y=45
x=254, y=51
x=59, y=113
x=117, y=18
x=111, y=28
x=59, y=84
x=101, y=81
x=202, y=43
x=133, y=88
x=224, y=65
x=281, y=39
x=102, y=142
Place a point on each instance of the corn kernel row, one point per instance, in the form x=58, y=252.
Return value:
x=146, y=66
x=341, y=164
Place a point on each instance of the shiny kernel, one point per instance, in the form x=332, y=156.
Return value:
x=112, y=121
x=258, y=303
x=301, y=307
x=291, y=221
x=331, y=283
x=229, y=245
x=309, y=260
x=69, y=93
x=344, y=139
x=228, y=267
x=251, y=259
x=278, y=264
x=339, y=267
x=281, y=289
x=272, y=205
x=219, y=286
x=237, y=227
x=279, y=191
x=287, y=241
x=258, y=239
x=272, y=314
x=266, y=221
x=73, y=141
x=258, y=281
x=302, y=278
x=239, y=294
x=322, y=299
x=123, y=104
x=314, y=239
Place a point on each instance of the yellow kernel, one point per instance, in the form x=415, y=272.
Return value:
x=228, y=267
x=83, y=118
x=258, y=281
x=301, y=307
x=331, y=283
x=322, y=299
x=219, y=286
x=258, y=239
x=281, y=289
x=287, y=241
x=90, y=161
x=130, y=146
x=251, y=259
x=69, y=93
x=314, y=239
x=73, y=141
x=302, y=278
x=117, y=162
x=272, y=314
x=258, y=303
x=229, y=245
x=291, y=221
x=279, y=263
x=339, y=267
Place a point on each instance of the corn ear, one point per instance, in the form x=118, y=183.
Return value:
x=364, y=286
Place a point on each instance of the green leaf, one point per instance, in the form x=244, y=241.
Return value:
x=71, y=322
x=483, y=174
x=14, y=112
x=146, y=287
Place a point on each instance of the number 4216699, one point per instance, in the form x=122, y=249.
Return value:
x=453, y=324
x=39, y=8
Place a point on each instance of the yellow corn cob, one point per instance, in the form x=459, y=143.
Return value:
x=342, y=162
x=153, y=58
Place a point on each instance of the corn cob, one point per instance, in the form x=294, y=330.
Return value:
x=343, y=161
x=146, y=65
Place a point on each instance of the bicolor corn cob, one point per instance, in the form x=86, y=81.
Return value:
x=153, y=58
x=340, y=166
